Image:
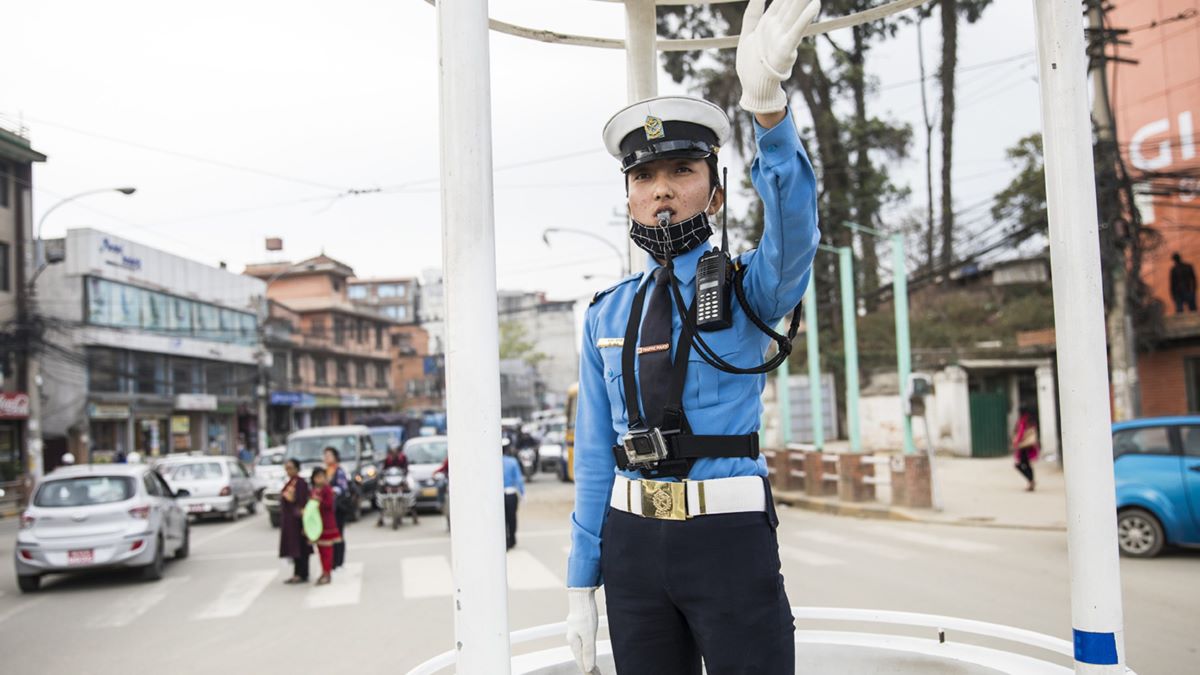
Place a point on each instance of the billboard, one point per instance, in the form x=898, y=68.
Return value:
x=1156, y=105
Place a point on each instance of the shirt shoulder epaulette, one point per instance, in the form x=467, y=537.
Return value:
x=610, y=289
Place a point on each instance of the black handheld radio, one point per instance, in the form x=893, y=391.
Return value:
x=713, y=279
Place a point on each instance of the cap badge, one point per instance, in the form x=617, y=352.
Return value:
x=654, y=128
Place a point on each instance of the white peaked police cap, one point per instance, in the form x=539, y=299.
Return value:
x=666, y=126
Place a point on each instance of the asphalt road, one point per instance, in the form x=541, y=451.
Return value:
x=226, y=607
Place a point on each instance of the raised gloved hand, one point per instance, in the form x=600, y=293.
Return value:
x=766, y=50
x=582, y=623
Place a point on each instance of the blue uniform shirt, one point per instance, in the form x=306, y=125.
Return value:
x=715, y=402
x=513, y=478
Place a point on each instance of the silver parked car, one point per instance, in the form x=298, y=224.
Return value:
x=425, y=456
x=268, y=471
x=215, y=485
x=99, y=516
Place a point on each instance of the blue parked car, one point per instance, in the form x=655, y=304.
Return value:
x=1157, y=464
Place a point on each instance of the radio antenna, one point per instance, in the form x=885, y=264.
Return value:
x=725, y=209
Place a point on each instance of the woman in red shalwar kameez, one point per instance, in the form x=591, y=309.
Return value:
x=330, y=534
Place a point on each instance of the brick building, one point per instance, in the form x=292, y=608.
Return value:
x=331, y=359
x=1154, y=106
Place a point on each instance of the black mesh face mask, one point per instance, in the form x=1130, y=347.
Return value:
x=668, y=241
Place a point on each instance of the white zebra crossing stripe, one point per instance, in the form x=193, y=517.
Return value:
x=123, y=610
x=237, y=595
x=345, y=589
x=19, y=607
x=527, y=573
x=427, y=576
x=872, y=548
x=806, y=557
x=935, y=541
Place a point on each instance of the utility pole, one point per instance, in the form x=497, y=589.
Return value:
x=1122, y=351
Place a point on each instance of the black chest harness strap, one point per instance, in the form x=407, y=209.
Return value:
x=683, y=447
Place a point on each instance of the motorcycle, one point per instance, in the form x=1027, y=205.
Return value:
x=396, y=497
x=528, y=456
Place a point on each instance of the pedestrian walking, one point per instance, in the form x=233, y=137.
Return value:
x=1183, y=285
x=514, y=490
x=292, y=542
x=331, y=535
x=691, y=568
x=1025, y=446
x=344, y=500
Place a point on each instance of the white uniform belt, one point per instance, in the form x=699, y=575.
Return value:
x=689, y=498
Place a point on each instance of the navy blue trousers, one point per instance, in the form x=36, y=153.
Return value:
x=707, y=587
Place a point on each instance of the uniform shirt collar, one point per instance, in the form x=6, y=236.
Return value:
x=685, y=265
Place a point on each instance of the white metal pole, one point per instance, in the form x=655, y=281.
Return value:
x=641, y=73
x=1096, y=615
x=472, y=340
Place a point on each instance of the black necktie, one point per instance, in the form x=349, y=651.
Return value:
x=654, y=352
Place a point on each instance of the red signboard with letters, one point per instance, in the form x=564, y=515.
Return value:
x=14, y=405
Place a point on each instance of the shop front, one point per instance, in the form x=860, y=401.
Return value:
x=14, y=410
x=109, y=431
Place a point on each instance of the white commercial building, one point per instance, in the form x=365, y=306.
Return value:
x=146, y=351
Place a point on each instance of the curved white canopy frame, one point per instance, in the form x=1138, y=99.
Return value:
x=680, y=45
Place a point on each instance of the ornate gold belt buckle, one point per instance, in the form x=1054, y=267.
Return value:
x=664, y=500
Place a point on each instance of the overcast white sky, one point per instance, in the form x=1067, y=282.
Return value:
x=237, y=120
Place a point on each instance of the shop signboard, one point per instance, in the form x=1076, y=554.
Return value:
x=327, y=402
x=196, y=402
x=108, y=411
x=14, y=405
x=1155, y=92
x=181, y=424
x=291, y=398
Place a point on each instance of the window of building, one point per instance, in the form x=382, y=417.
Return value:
x=149, y=373
x=357, y=292
x=296, y=378
x=318, y=327
x=320, y=374
x=343, y=374
x=360, y=374
x=279, y=367
x=378, y=336
x=359, y=331
x=185, y=376
x=337, y=285
x=1191, y=372
x=381, y=375
x=5, y=265
x=217, y=378
x=387, y=291
x=106, y=370
x=339, y=330
x=4, y=183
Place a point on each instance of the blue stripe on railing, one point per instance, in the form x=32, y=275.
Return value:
x=1095, y=648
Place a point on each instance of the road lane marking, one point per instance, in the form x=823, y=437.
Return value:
x=225, y=529
x=237, y=595
x=345, y=589
x=527, y=573
x=881, y=550
x=20, y=607
x=427, y=576
x=949, y=543
x=807, y=557
x=122, y=611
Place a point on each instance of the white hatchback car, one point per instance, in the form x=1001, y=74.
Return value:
x=215, y=485
x=98, y=516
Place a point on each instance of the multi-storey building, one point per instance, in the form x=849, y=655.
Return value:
x=418, y=377
x=145, y=351
x=16, y=186
x=331, y=358
x=549, y=326
x=394, y=298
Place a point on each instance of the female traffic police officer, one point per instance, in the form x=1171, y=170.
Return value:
x=690, y=567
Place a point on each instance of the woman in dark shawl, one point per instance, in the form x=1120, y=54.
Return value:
x=292, y=543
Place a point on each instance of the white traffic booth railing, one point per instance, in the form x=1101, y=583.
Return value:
x=482, y=641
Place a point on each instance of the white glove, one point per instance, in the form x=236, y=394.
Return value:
x=582, y=624
x=766, y=50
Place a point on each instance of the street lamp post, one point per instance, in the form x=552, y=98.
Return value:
x=620, y=255
x=33, y=365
